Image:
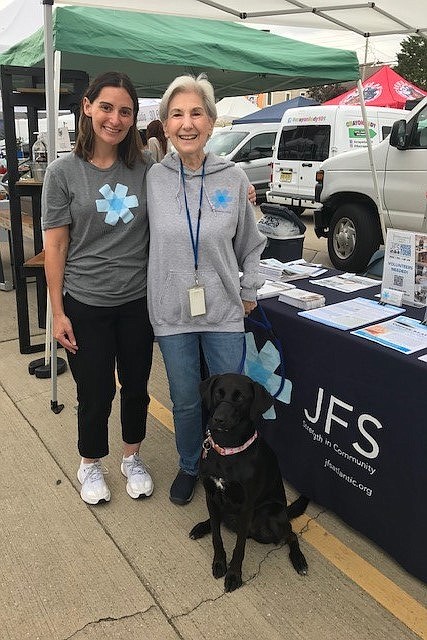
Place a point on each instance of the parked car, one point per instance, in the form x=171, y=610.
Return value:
x=251, y=147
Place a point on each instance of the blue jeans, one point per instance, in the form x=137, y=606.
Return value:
x=182, y=356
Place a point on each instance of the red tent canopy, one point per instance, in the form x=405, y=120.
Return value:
x=385, y=88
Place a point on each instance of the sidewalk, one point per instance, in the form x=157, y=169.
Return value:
x=127, y=570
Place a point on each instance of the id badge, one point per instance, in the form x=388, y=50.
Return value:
x=197, y=301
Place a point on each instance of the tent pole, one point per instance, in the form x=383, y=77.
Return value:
x=53, y=343
x=49, y=78
x=371, y=159
x=50, y=124
x=50, y=348
x=51, y=120
x=365, y=60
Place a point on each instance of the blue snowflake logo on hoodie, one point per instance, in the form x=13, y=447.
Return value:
x=116, y=204
x=221, y=199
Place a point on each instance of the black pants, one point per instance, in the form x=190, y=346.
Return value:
x=108, y=337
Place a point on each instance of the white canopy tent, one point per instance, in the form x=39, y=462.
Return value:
x=383, y=17
x=365, y=18
x=228, y=107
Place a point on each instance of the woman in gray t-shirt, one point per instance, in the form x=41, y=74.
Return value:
x=96, y=251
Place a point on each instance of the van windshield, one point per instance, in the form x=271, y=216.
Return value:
x=225, y=142
x=310, y=142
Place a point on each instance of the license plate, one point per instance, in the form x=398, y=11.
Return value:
x=286, y=176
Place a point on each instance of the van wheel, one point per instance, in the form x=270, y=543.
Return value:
x=353, y=237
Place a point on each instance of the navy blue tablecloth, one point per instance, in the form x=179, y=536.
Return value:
x=353, y=436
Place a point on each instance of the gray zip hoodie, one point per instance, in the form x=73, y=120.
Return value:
x=229, y=242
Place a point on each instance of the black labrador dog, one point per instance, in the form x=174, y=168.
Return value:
x=241, y=476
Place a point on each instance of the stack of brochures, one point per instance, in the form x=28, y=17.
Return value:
x=271, y=289
x=271, y=268
x=293, y=270
x=302, y=299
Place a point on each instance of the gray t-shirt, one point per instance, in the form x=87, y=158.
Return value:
x=106, y=211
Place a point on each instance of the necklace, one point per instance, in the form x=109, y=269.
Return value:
x=102, y=164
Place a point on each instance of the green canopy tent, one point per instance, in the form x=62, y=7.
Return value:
x=153, y=49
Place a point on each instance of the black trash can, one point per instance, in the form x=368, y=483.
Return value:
x=284, y=231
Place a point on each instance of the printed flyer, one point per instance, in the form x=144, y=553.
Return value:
x=405, y=265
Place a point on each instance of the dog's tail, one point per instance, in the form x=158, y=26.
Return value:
x=297, y=507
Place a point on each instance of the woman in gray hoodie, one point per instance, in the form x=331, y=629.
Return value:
x=202, y=234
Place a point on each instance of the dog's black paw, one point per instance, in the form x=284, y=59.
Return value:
x=299, y=562
x=219, y=567
x=232, y=581
x=199, y=530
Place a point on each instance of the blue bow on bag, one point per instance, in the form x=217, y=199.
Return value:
x=261, y=365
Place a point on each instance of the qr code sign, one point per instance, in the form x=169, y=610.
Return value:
x=398, y=281
x=405, y=250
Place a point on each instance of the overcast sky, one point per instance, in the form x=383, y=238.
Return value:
x=20, y=18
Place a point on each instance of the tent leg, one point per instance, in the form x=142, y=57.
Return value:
x=377, y=189
x=53, y=367
x=50, y=366
x=365, y=61
x=57, y=365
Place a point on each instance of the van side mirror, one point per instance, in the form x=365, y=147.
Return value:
x=398, y=135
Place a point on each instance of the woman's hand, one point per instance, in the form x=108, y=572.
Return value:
x=252, y=194
x=63, y=332
x=249, y=306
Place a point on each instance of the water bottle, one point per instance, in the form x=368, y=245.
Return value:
x=39, y=154
x=39, y=150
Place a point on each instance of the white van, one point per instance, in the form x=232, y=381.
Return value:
x=349, y=217
x=308, y=136
x=251, y=147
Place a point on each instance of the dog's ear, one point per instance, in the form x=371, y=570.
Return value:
x=261, y=402
x=206, y=389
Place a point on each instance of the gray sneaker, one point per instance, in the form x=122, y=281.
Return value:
x=94, y=488
x=139, y=482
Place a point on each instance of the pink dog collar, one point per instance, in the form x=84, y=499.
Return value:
x=225, y=451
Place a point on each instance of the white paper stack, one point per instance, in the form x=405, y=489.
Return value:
x=302, y=299
x=271, y=268
x=293, y=270
x=272, y=289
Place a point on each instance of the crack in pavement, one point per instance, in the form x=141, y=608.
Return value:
x=110, y=619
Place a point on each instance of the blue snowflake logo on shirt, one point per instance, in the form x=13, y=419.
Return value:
x=221, y=199
x=116, y=204
x=260, y=366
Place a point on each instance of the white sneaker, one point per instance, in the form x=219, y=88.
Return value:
x=94, y=488
x=139, y=482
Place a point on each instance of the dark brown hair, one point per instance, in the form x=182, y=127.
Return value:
x=155, y=130
x=143, y=136
x=129, y=149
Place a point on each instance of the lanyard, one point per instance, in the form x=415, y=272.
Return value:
x=194, y=242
